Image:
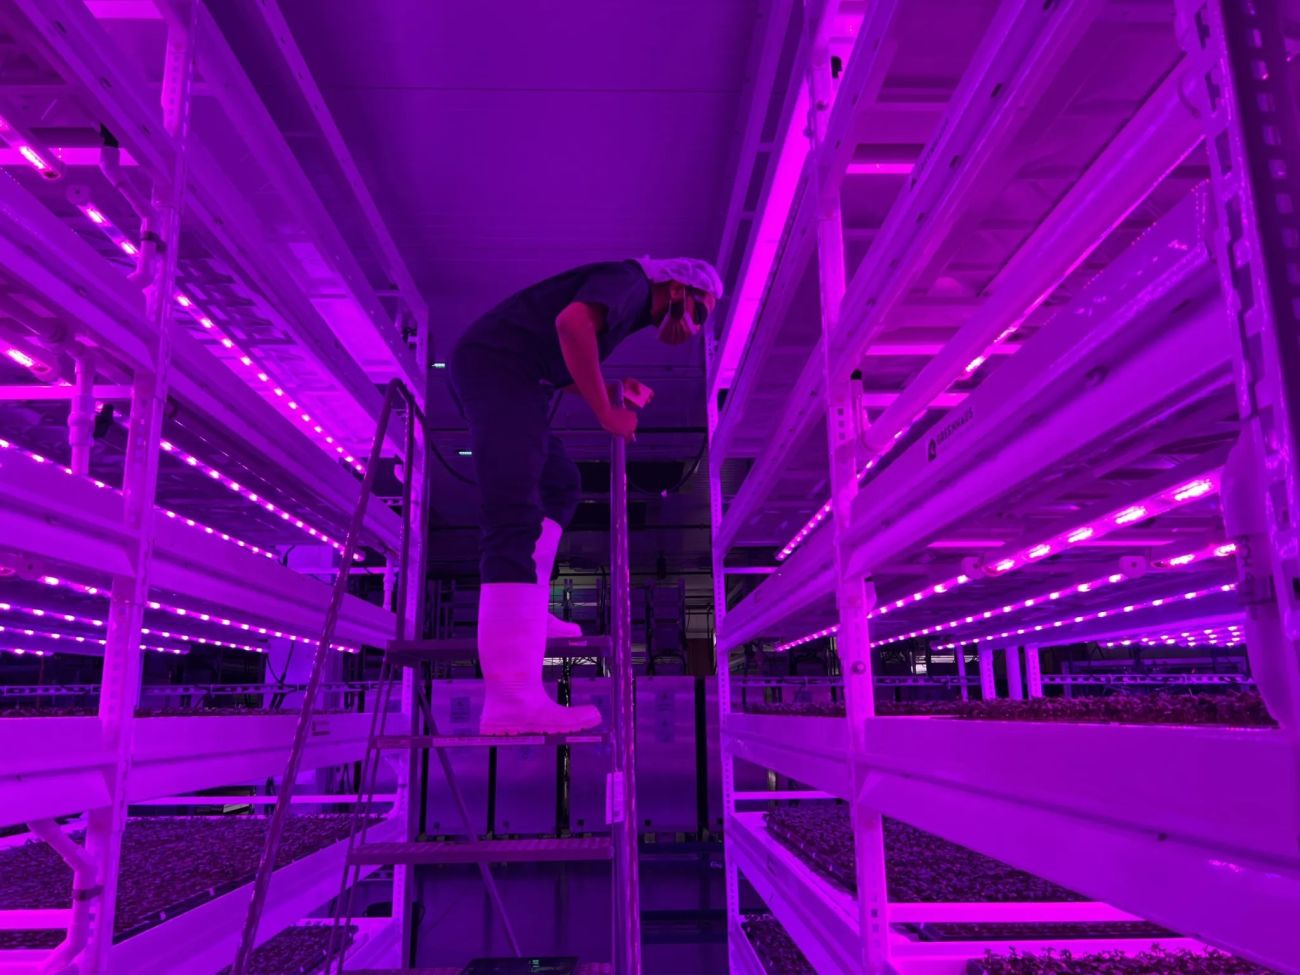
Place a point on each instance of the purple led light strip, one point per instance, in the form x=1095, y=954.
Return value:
x=1217, y=550
x=1194, y=489
x=194, y=615
x=1088, y=617
x=38, y=458
x=286, y=405
x=971, y=368
x=69, y=638
x=1229, y=635
x=53, y=615
x=230, y=484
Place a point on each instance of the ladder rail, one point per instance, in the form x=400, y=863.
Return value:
x=625, y=875
x=362, y=812
x=262, y=880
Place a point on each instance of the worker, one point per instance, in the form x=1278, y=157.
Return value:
x=505, y=369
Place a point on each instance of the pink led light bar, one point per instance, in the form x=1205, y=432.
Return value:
x=287, y=406
x=829, y=631
x=1088, y=617
x=38, y=458
x=20, y=357
x=68, y=638
x=111, y=230
x=232, y=485
x=1156, y=504
x=23, y=143
x=1175, y=562
x=96, y=216
x=199, y=615
x=188, y=637
x=1229, y=635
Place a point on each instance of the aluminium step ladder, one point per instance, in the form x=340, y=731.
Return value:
x=403, y=658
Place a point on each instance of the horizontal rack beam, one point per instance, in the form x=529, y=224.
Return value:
x=66, y=520
x=57, y=765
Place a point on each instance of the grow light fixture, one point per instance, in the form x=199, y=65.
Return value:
x=1176, y=562
x=828, y=631
x=234, y=486
x=262, y=375
x=224, y=536
x=20, y=357
x=1085, y=617
x=189, y=612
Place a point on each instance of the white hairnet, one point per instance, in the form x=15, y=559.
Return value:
x=690, y=271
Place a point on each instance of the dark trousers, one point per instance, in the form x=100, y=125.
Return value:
x=522, y=471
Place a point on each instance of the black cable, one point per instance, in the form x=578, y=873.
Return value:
x=690, y=472
x=450, y=470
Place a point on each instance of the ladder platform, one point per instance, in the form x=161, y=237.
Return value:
x=484, y=851
x=488, y=741
x=408, y=653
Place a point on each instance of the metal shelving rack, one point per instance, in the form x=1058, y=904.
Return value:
x=251, y=386
x=976, y=312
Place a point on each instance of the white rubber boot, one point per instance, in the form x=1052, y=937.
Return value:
x=544, y=558
x=512, y=644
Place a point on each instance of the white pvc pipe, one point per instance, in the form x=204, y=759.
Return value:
x=960, y=654
x=1015, y=684
x=988, y=685
x=85, y=889
x=1034, y=671
x=81, y=413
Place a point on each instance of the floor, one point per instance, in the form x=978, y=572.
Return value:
x=565, y=910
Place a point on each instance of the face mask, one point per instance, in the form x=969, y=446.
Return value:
x=676, y=328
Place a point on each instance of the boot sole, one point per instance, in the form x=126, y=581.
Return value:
x=508, y=730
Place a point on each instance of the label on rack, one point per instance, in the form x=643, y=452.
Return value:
x=615, y=807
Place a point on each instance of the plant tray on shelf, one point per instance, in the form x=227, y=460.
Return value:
x=774, y=946
x=1236, y=708
x=299, y=950
x=1155, y=962
x=83, y=711
x=170, y=864
x=919, y=866
x=1034, y=931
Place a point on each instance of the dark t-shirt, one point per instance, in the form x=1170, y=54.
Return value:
x=523, y=326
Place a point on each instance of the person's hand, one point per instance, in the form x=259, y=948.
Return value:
x=637, y=393
x=620, y=422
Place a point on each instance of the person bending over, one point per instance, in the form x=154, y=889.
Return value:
x=550, y=337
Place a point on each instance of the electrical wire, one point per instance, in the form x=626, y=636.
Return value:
x=681, y=482
x=433, y=447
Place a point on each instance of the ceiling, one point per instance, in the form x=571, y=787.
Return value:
x=504, y=142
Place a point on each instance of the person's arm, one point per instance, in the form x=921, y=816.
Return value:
x=577, y=327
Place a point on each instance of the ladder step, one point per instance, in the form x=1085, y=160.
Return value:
x=408, y=653
x=487, y=741
x=484, y=851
